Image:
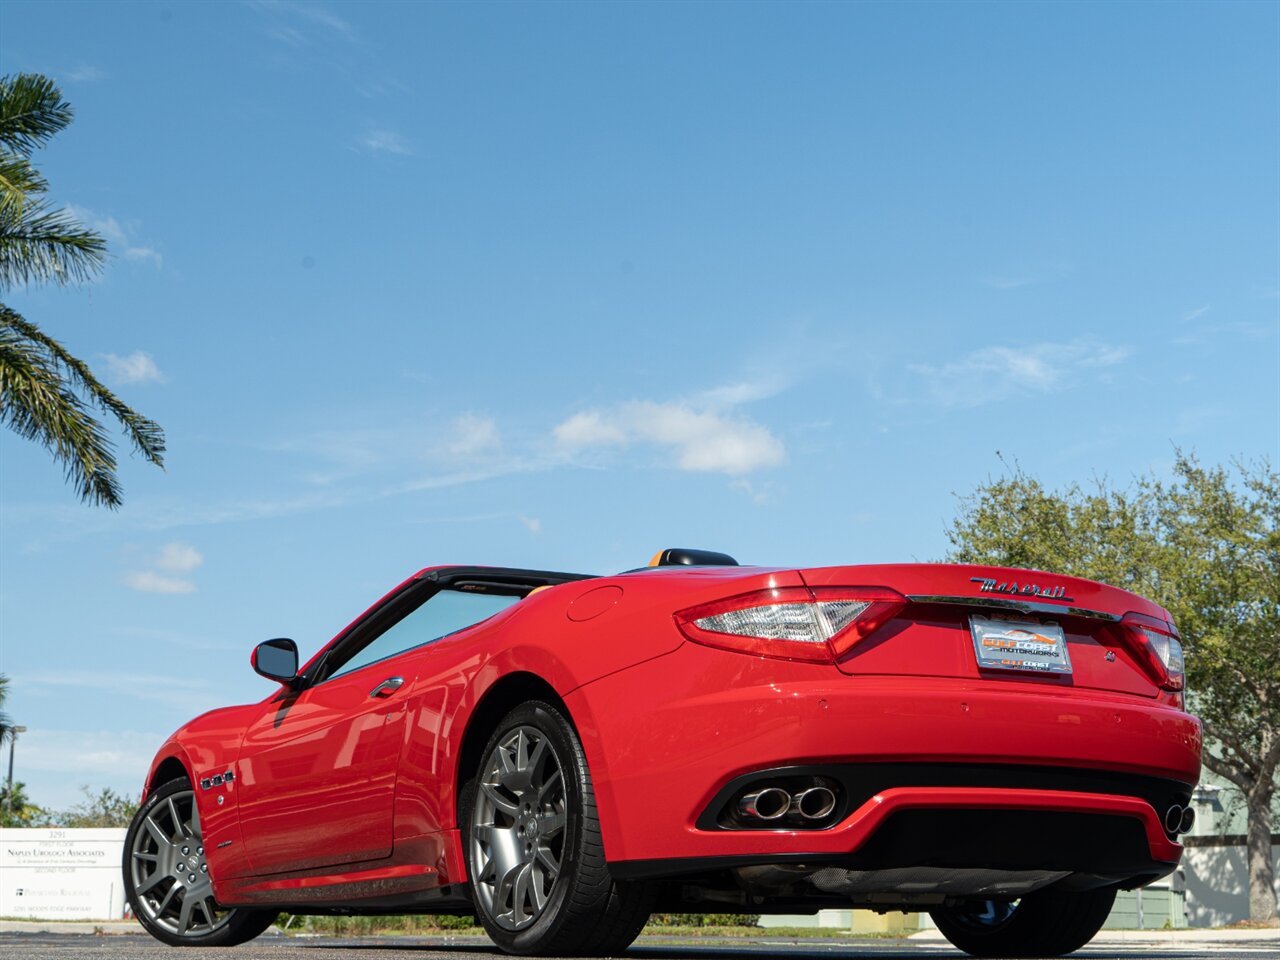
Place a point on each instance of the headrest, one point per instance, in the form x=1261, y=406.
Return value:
x=682, y=556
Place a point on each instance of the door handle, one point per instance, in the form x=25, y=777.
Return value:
x=387, y=687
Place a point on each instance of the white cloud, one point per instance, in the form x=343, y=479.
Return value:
x=474, y=435
x=117, y=236
x=85, y=73
x=700, y=440
x=1045, y=273
x=178, y=557
x=387, y=141
x=174, y=557
x=305, y=14
x=323, y=17
x=144, y=255
x=1009, y=283
x=532, y=524
x=137, y=367
x=746, y=391
x=294, y=38
x=997, y=373
x=148, y=581
x=759, y=495
x=589, y=430
x=88, y=751
x=56, y=763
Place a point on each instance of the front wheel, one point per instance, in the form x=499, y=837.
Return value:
x=167, y=879
x=534, y=852
x=1042, y=924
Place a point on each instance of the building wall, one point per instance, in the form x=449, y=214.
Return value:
x=1160, y=906
x=1218, y=884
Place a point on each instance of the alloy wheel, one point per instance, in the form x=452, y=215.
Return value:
x=169, y=873
x=518, y=828
x=984, y=915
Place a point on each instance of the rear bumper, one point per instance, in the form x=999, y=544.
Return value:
x=1155, y=856
x=665, y=738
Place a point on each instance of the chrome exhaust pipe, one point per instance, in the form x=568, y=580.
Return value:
x=814, y=803
x=1188, y=820
x=1173, y=818
x=769, y=803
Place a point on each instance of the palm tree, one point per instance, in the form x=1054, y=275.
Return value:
x=6, y=722
x=46, y=394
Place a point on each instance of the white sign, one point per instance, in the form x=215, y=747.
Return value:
x=61, y=874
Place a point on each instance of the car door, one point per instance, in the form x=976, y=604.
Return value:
x=318, y=769
x=317, y=774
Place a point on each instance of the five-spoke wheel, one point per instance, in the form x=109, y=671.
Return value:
x=167, y=877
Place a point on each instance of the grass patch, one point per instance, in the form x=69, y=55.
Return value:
x=664, y=931
x=673, y=934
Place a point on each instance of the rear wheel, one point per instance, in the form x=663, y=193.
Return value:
x=167, y=879
x=1042, y=924
x=534, y=853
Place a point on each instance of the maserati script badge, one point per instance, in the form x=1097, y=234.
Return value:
x=990, y=585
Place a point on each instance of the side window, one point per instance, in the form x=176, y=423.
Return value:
x=444, y=613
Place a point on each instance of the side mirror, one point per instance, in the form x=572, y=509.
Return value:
x=276, y=660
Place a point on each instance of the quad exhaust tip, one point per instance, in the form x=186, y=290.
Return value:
x=771, y=803
x=814, y=803
x=1179, y=819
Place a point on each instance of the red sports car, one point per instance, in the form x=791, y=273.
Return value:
x=563, y=754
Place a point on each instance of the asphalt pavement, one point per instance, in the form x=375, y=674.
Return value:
x=1135, y=945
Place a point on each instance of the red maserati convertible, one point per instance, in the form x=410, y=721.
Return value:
x=563, y=754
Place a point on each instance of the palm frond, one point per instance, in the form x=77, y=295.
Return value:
x=37, y=403
x=31, y=111
x=146, y=435
x=41, y=244
x=19, y=180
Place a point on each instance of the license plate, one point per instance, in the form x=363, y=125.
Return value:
x=1019, y=645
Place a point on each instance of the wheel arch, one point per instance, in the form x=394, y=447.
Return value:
x=168, y=768
x=503, y=696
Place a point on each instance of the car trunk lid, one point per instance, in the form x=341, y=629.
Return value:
x=1028, y=627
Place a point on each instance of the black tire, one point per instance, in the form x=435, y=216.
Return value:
x=1041, y=924
x=177, y=907
x=584, y=910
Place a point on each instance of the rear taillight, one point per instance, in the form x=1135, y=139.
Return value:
x=1158, y=648
x=793, y=623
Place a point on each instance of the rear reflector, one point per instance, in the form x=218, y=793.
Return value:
x=793, y=623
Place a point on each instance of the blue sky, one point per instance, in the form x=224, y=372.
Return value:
x=561, y=285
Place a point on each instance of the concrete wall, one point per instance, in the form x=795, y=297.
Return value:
x=1218, y=884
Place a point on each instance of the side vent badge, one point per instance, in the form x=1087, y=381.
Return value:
x=217, y=780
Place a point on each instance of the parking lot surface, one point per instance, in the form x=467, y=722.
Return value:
x=1152, y=945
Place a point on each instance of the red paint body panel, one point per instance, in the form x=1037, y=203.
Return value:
x=956, y=579
x=694, y=720
x=342, y=797
x=326, y=757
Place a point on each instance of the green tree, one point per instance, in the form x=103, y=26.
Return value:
x=1206, y=546
x=46, y=394
x=106, y=808
x=6, y=721
x=22, y=812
